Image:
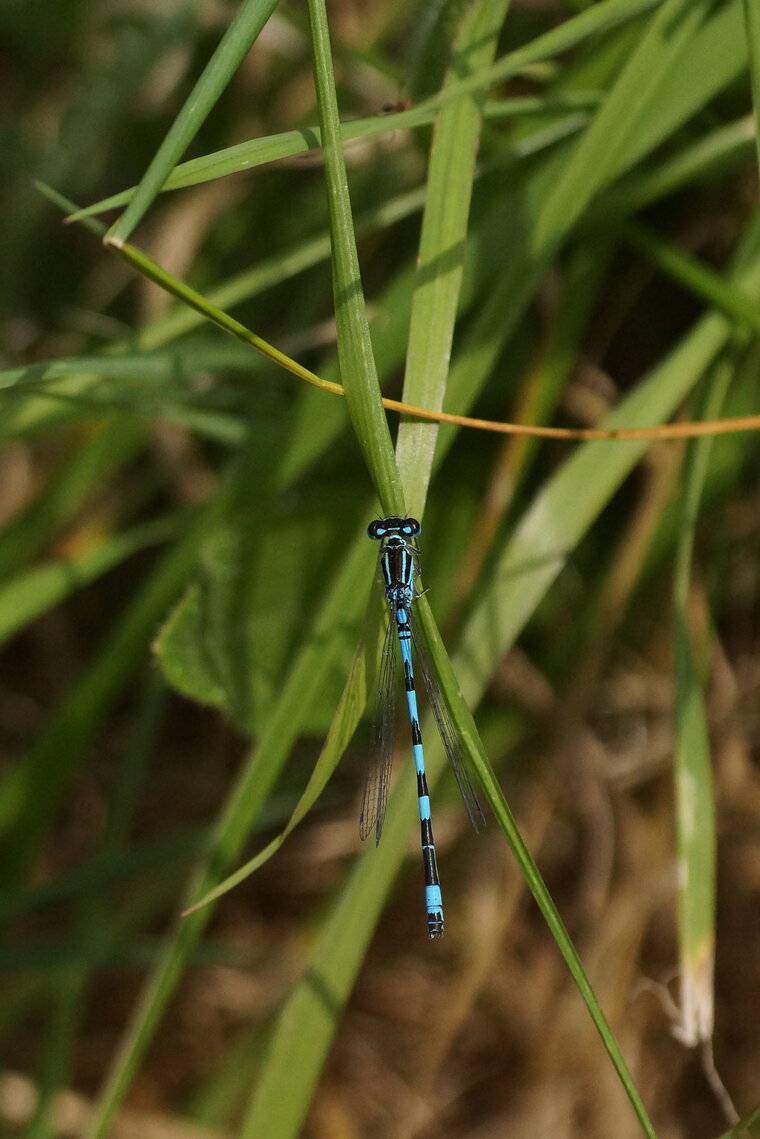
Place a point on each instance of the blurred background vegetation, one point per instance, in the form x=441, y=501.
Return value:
x=185, y=576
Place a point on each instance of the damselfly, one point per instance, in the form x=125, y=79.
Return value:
x=399, y=563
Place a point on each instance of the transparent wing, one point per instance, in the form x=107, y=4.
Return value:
x=375, y=797
x=447, y=730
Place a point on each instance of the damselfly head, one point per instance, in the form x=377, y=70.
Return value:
x=393, y=527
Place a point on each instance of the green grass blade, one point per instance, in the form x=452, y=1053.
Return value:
x=70, y=985
x=560, y=515
x=232, y=49
x=357, y=363
x=692, y=767
x=453, y=685
x=247, y=156
x=710, y=154
x=714, y=54
x=282, y=267
x=347, y=716
x=601, y=18
x=259, y=151
x=140, y=261
x=595, y=21
x=151, y=367
x=34, y=592
x=718, y=53
x=73, y=485
x=442, y=244
x=235, y=820
x=700, y=279
x=68, y=207
x=585, y=271
x=307, y=1024
x=635, y=101
x=752, y=27
x=53, y=758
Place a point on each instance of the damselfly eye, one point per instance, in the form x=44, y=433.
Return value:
x=410, y=528
x=376, y=530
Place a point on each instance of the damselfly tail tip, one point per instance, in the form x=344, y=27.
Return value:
x=435, y=926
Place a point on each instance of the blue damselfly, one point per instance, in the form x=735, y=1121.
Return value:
x=399, y=563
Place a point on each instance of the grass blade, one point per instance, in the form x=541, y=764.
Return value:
x=440, y=259
x=347, y=716
x=706, y=283
x=32, y=593
x=692, y=768
x=232, y=49
x=608, y=145
x=752, y=24
x=233, y=825
x=54, y=756
x=600, y=18
x=357, y=362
